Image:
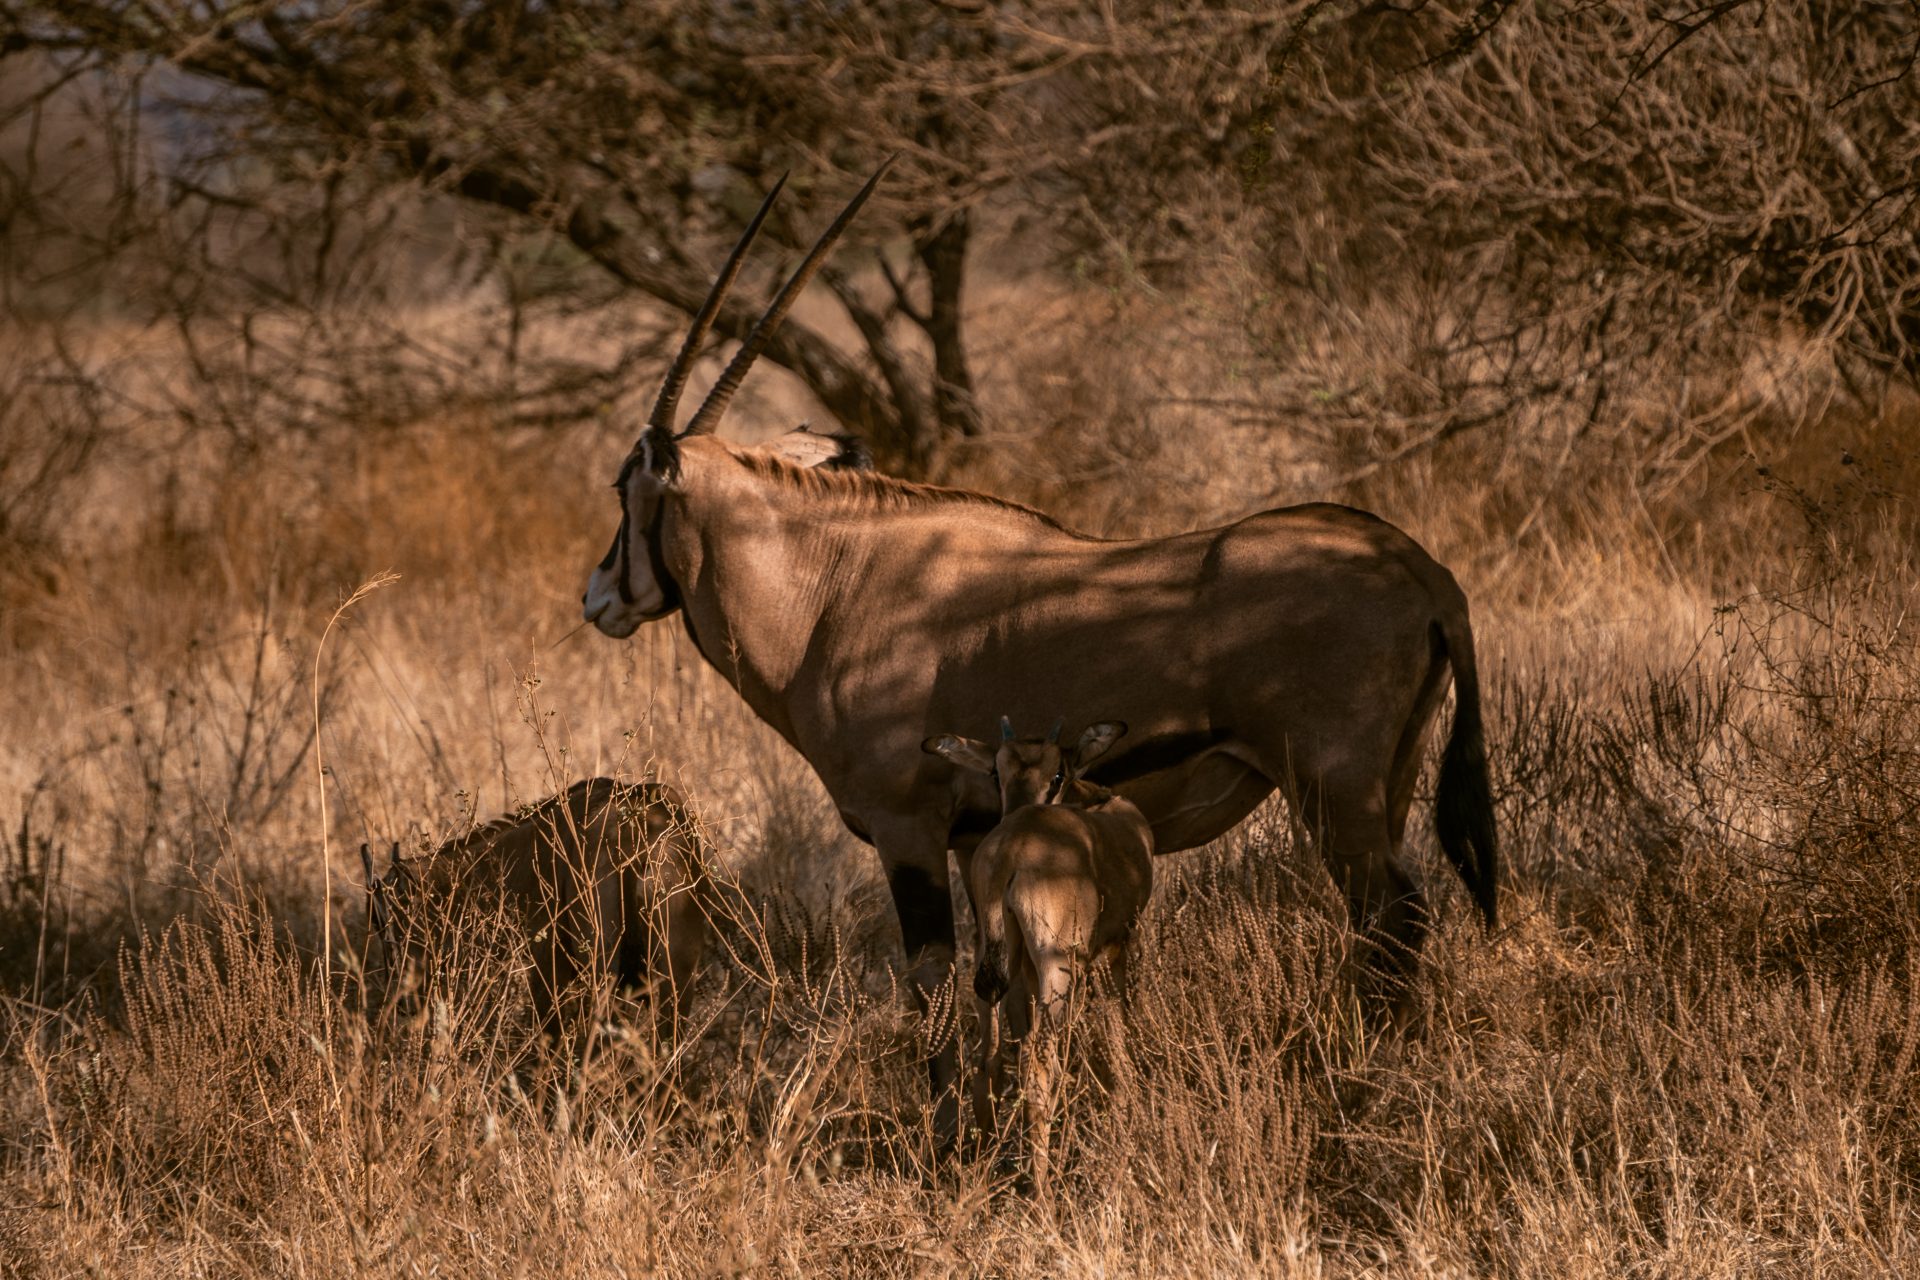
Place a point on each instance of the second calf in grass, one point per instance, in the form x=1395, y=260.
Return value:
x=605, y=883
x=1056, y=888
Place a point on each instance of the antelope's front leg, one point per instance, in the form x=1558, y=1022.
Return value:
x=914, y=854
x=983, y=1080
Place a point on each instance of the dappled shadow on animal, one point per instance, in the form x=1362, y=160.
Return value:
x=1056, y=887
x=606, y=885
x=1306, y=649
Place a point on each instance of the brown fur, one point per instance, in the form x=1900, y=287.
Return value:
x=854, y=491
x=605, y=881
x=1056, y=888
x=1304, y=649
x=1294, y=649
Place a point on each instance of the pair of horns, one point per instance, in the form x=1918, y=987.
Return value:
x=707, y=417
x=366, y=859
x=1006, y=730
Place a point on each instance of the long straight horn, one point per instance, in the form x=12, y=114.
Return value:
x=709, y=414
x=1006, y=729
x=366, y=861
x=676, y=381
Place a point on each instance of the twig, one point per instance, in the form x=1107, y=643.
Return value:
x=361, y=592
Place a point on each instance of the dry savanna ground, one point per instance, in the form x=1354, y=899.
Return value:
x=1690, y=1049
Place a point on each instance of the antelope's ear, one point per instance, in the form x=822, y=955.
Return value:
x=1094, y=742
x=964, y=752
x=654, y=462
x=805, y=447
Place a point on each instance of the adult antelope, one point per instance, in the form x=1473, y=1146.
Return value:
x=1056, y=889
x=604, y=881
x=1307, y=648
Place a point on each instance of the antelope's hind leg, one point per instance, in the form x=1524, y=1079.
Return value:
x=677, y=934
x=1350, y=824
x=687, y=932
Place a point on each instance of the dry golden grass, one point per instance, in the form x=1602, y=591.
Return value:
x=1690, y=1051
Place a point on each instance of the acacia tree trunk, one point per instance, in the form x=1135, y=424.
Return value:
x=943, y=255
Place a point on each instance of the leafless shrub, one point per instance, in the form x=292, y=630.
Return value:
x=52, y=426
x=210, y=757
x=36, y=915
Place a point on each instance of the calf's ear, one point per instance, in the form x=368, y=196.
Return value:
x=1094, y=742
x=964, y=752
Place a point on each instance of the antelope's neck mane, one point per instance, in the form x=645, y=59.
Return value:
x=856, y=492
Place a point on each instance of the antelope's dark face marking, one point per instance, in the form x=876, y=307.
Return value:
x=631, y=585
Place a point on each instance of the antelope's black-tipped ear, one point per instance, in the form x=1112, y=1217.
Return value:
x=656, y=455
x=854, y=454
x=820, y=450
x=964, y=752
x=366, y=862
x=1094, y=742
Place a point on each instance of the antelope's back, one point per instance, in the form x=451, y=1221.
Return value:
x=1110, y=844
x=602, y=846
x=604, y=837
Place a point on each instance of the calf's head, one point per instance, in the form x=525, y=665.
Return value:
x=1028, y=770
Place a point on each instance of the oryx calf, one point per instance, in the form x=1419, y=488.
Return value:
x=1056, y=888
x=605, y=881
